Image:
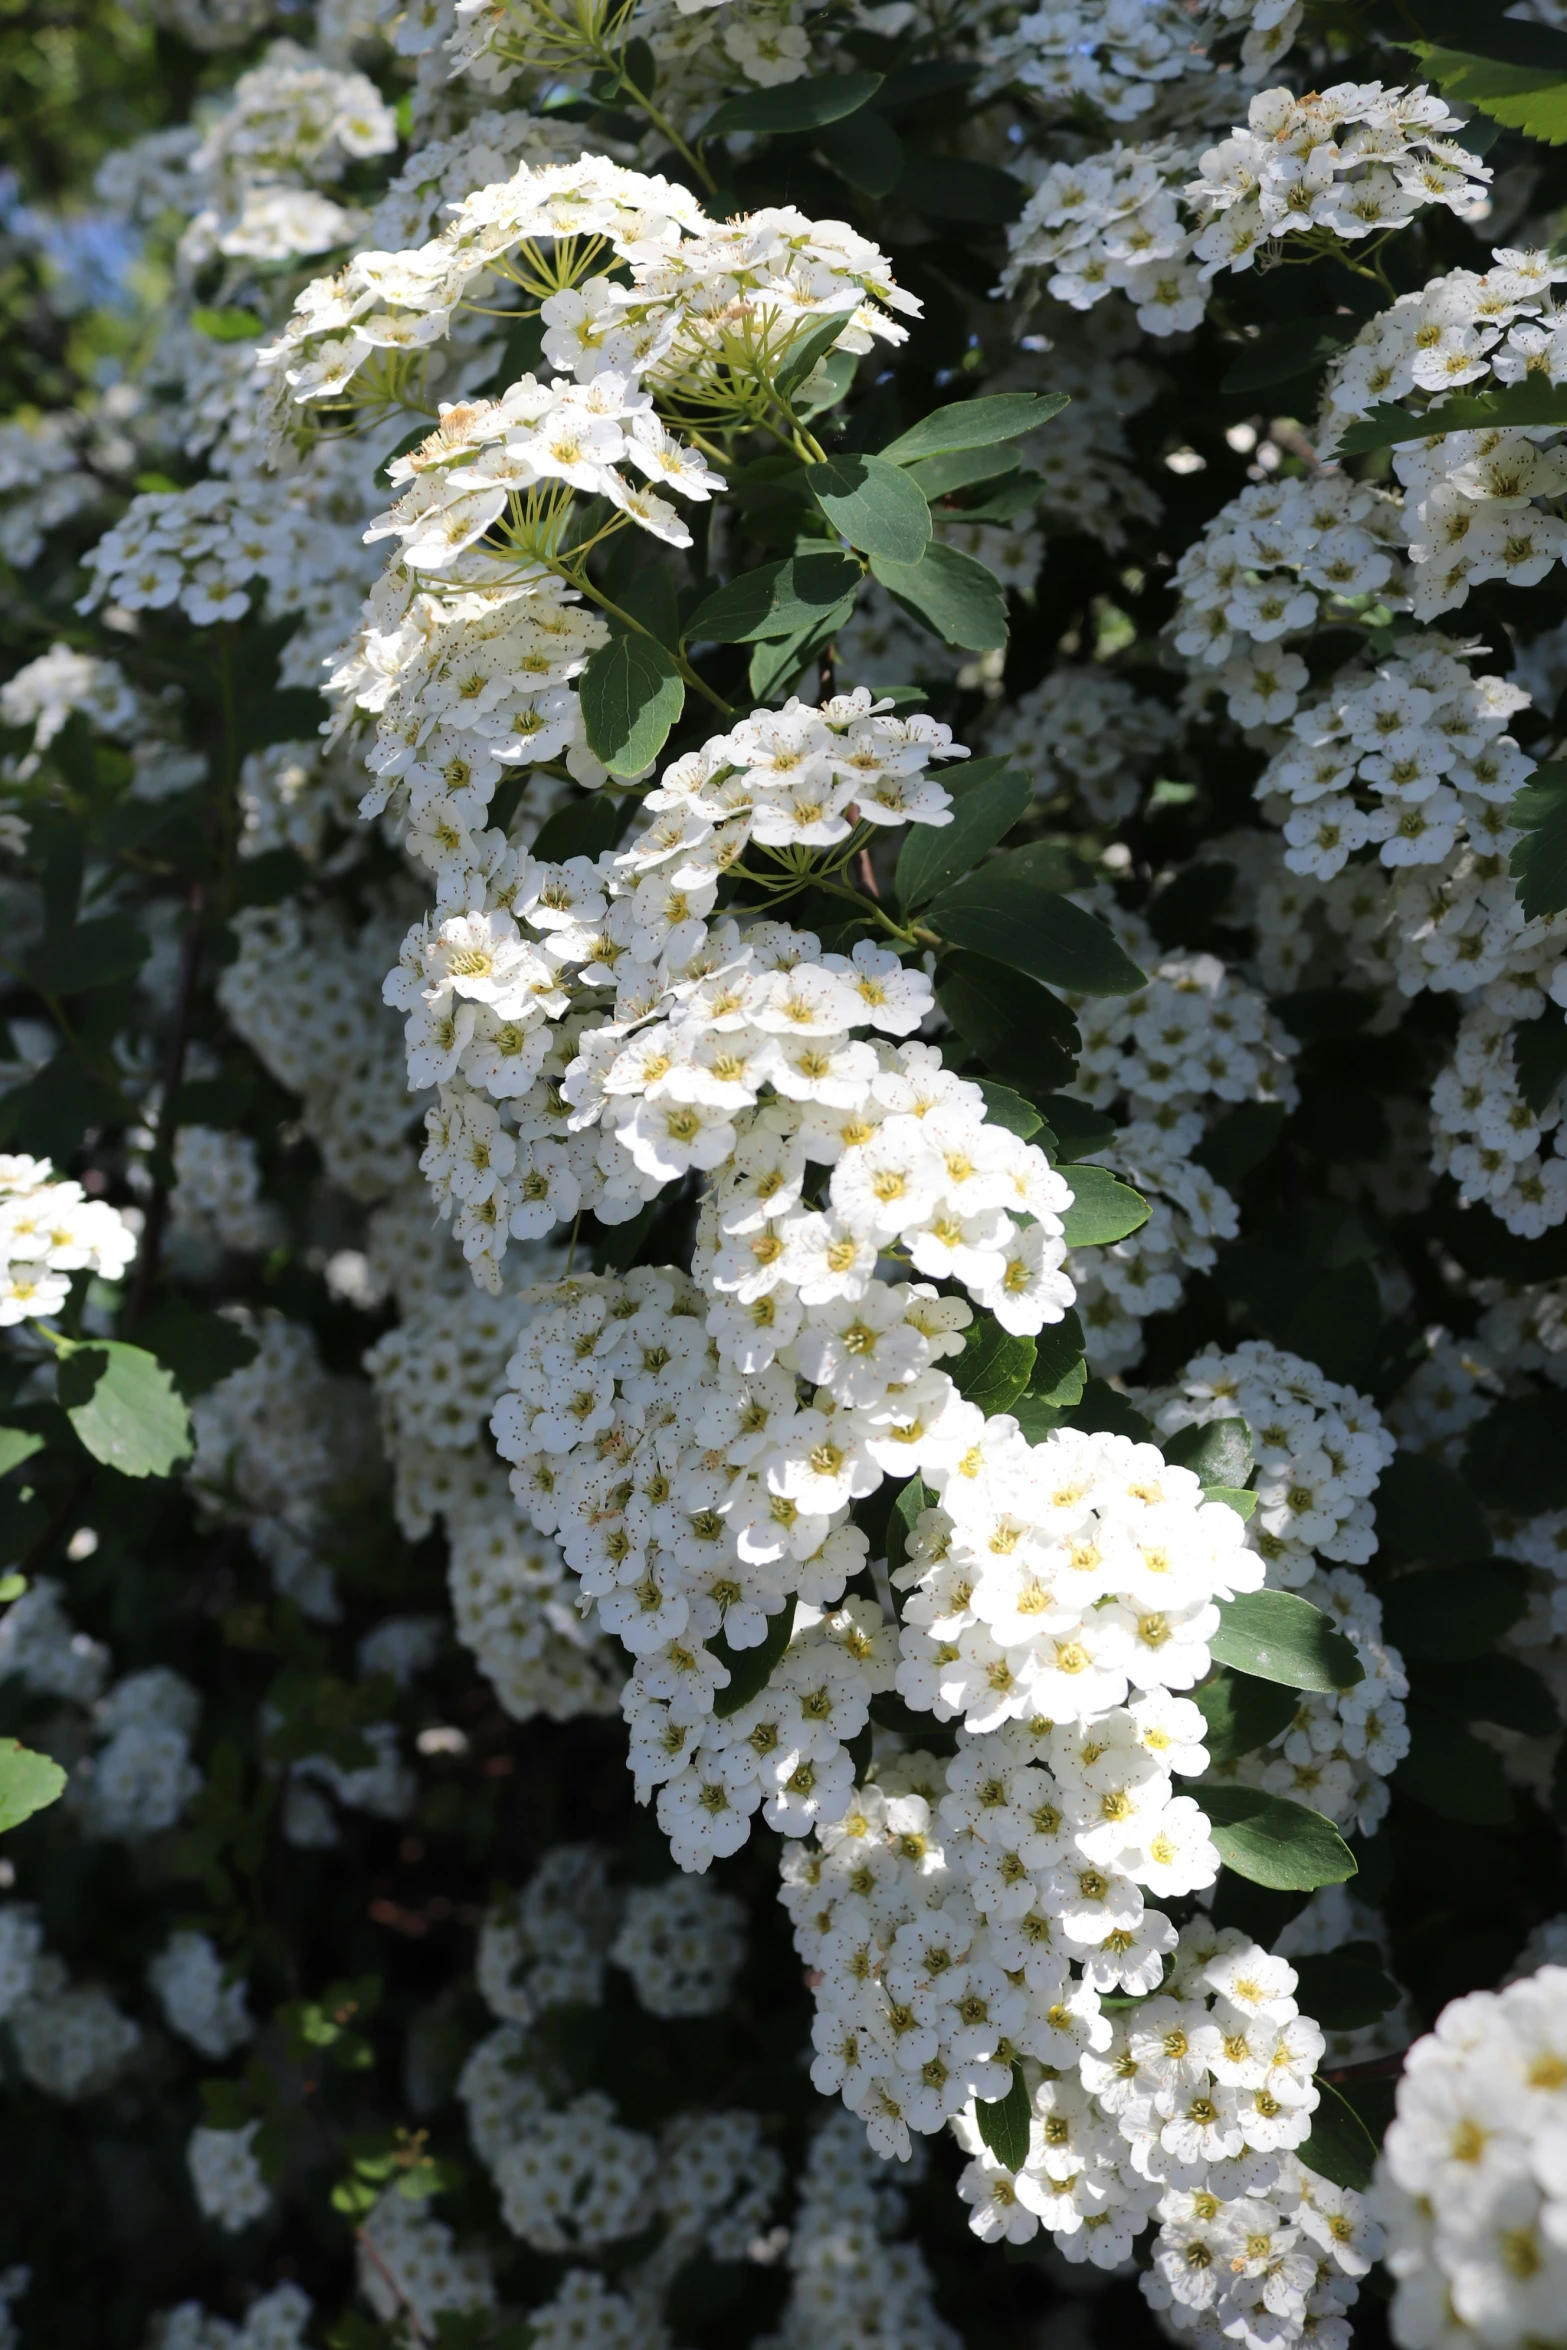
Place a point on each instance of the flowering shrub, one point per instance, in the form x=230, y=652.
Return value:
x=785, y=1289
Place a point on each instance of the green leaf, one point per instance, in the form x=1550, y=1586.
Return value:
x=908, y=1503
x=750, y=1669
x=1234, y=1497
x=873, y=504
x=1527, y=98
x=1271, y=1841
x=583, y=828
x=794, y=106
x=1079, y=1129
x=1532, y=401
x=124, y=1407
x=1427, y=1511
x=953, y=594
x=1340, y=2147
x=774, y=666
x=199, y=1348
x=1058, y=1361
x=28, y=1782
x=987, y=800
x=1005, y=2122
x=93, y=954
x=1243, y=1714
x=1017, y=1028
x=949, y=188
x=1540, y=1058
x=1516, y=1457
x=1282, y=352
x=1448, y=1614
x=231, y=325
x=1278, y=1636
x=17, y=1445
x=938, y=477
x=1002, y=913
x=1103, y=1209
x=866, y=151
x=775, y=601
x=1005, y=1108
x=1452, y=1772
x=1489, y=1688
x=807, y=351
x=1240, y=1141
x=994, y=1367
x=631, y=693
x=1219, y=1451
x=975, y=424
x=1345, y=1989
x=1104, y=1411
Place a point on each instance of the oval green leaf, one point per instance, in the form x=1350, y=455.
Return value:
x=750, y=1669
x=1271, y=1841
x=28, y=1782
x=1001, y=912
x=875, y=506
x=631, y=693
x=1278, y=1636
x=1005, y=2122
x=794, y=106
x=124, y=1406
x=975, y=424
x=987, y=800
x=1102, y=1209
x=957, y=597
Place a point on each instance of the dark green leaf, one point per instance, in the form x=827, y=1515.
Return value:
x=1340, y=2147
x=94, y=954
x=776, y=600
x=1105, y=1411
x=987, y=800
x=1516, y=1457
x=17, y=1445
x=53, y=1110
x=1540, y=1058
x=1079, y=1129
x=807, y=351
x=1271, y=1841
x=832, y=382
x=775, y=666
x=1345, y=1989
x=1234, y=1497
x=1489, y=1688
x=873, y=504
x=1219, y=1451
x=938, y=477
x=1452, y=1772
x=1058, y=1360
x=1003, y=914
x=1017, y=1028
x=1532, y=401
x=794, y=106
x=1451, y=1613
x=975, y=424
x=1240, y=1141
x=28, y=1782
x=1103, y=1209
x=1426, y=1510
x=1005, y=1108
x=410, y=440
x=866, y=151
x=1278, y=1636
x=200, y=1349
x=631, y=693
x=1283, y=352
x=957, y=597
x=124, y=1407
x=994, y=1367
x=750, y=1669
x=1005, y=2123
x=1243, y=1714
x=583, y=828
x=230, y=326
x=947, y=188
x=1538, y=864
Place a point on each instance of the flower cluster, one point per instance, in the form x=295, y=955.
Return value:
x=1086, y=731
x=1470, y=2185
x=200, y=1999
x=50, y=1230
x=852, y=2280
x=1275, y=561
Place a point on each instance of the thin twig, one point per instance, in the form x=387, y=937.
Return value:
x=363, y=2240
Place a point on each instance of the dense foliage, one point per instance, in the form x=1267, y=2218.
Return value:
x=784, y=1310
